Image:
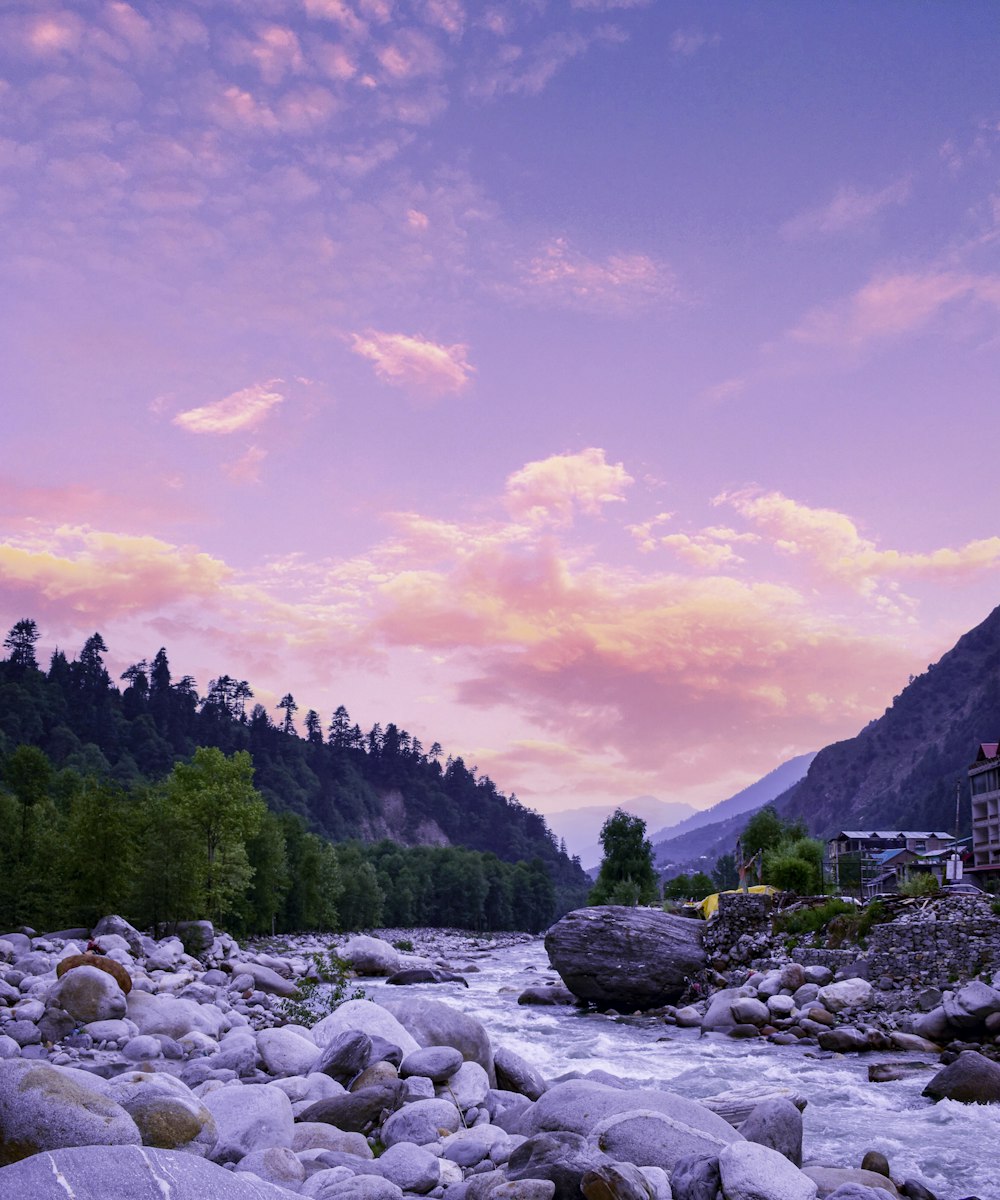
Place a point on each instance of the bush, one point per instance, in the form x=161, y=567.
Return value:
x=919, y=885
x=312, y=1003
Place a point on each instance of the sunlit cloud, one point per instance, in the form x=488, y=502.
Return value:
x=850, y=209
x=552, y=489
x=528, y=70
x=241, y=410
x=414, y=362
x=246, y=468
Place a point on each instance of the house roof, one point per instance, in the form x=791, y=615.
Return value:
x=888, y=834
x=987, y=750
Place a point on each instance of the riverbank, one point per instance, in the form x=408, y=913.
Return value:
x=235, y=1055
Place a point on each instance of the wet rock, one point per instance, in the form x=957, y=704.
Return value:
x=516, y=1075
x=752, y=1172
x=437, y=1063
x=425, y=975
x=875, y=1161
x=617, y=1181
x=562, y=1158
x=358, y=1111
x=370, y=956
x=778, y=1125
x=433, y=1023
x=831, y=1179
x=971, y=1078
x=627, y=957
x=550, y=994
x=696, y=1177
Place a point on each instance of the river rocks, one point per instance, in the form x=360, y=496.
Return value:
x=44, y=1108
x=421, y=1122
x=102, y=962
x=549, y=994
x=175, y=1018
x=425, y=975
x=127, y=1173
x=649, y=1138
x=517, y=1075
x=749, y=1171
x=370, y=956
x=433, y=1023
x=286, y=1053
x=971, y=1078
x=89, y=994
x=410, y=1167
x=346, y=1055
x=437, y=1063
x=249, y=1117
x=626, y=957
x=850, y=1180
x=169, y=1116
x=562, y=1158
x=847, y=993
x=778, y=1125
x=357, y=1111
x=374, y=1019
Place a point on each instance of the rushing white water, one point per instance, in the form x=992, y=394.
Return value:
x=954, y=1149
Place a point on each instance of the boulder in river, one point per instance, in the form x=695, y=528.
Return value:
x=971, y=1079
x=628, y=958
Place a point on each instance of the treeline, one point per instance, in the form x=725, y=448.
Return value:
x=204, y=843
x=335, y=779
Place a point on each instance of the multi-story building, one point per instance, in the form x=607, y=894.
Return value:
x=984, y=783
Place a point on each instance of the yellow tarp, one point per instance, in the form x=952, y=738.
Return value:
x=709, y=905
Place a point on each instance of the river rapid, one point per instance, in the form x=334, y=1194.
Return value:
x=953, y=1148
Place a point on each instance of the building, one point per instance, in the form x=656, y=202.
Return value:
x=984, y=783
x=858, y=858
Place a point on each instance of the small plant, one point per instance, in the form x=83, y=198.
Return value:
x=920, y=885
x=403, y=944
x=322, y=991
x=996, y=908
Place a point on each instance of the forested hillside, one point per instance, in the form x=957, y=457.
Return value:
x=901, y=770
x=334, y=783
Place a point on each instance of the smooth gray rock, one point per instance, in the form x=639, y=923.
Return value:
x=515, y=1074
x=777, y=1124
x=626, y=957
x=121, y=928
x=654, y=1139
x=422, y=1122
x=437, y=1063
x=434, y=1023
x=89, y=994
x=168, y=1114
x=747, y=1010
x=346, y=1055
x=467, y=1088
x=696, y=1177
x=370, y=955
x=249, y=1117
x=374, y=1019
x=127, y=1173
x=360, y=1111
x=562, y=1158
x=971, y=1078
x=317, y=1135
x=832, y=1179
x=285, y=1052
x=548, y=995
x=45, y=1108
x=276, y=1164
x=719, y=1014
x=361, y=1187
x=470, y=1146
x=751, y=1172
x=856, y=1191
x=618, y=1181
x=425, y=975
x=411, y=1167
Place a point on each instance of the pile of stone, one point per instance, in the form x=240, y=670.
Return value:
x=176, y=1081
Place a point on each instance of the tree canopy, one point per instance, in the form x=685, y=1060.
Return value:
x=627, y=874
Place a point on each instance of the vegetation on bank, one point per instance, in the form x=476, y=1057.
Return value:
x=166, y=805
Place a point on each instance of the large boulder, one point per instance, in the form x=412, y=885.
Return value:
x=249, y=1117
x=750, y=1171
x=89, y=994
x=370, y=955
x=128, y=1173
x=626, y=957
x=971, y=1079
x=102, y=962
x=168, y=1114
x=365, y=1015
x=45, y=1108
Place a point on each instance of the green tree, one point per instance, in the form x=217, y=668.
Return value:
x=216, y=797
x=724, y=873
x=628, y=858
x=701, y=886
x=678, y=888
x=21, y=644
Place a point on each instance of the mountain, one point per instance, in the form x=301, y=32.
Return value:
x=581, y=827
x=698, y=841
x=901, y=770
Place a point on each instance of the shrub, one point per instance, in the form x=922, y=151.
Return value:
x=313, y=1003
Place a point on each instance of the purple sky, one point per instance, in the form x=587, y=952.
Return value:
x=604, y=389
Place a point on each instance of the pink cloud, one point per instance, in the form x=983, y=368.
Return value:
x=414, y=362
x=246, y=469
x=620, y=284
x=240, y=410
x=551, y=489
x=851, y=208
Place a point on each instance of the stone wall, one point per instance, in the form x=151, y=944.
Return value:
x=945, y=941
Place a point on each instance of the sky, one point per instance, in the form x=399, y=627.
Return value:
x=605, y=389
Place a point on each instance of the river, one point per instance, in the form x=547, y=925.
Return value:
x=951, y=1147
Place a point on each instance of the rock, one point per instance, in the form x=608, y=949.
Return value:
x=617, y=1181
x=168, y=1114
x=467, y=1088
x=127, y=1173
x=719, y=1014
x=856, y=1191
x=102, y=962
x=933, y=1025
x=249, y=1117
x=523, y=1189
x=562, y=1158
x=286, y=1053
x=514, y=1074
x=361, y=1187
x=971, y=1078
x=422, y=1122
x=655, y=1139
x=627, y=957
x=550, y=994
x=425, y=975
x=196, y=936
x=887, y=1072
x=410, y=1167
x=175, y=1018
x=276, y=1164
x=579, y=1104
x=365, y=1015
x=346, y=1055
x=370, y=956
x=778, y=1125
x=358, y=1111
x=748, y=1011
x=89, y=994
x=736, y=1104
x=317, y=1135
x=696, y=1177
x=145, y=1046
x=45, y=1108
x=831, y=1179
x=875, y=1160
x=847, y=993
x=749, y=1171
x=378, y=1074
x=470, y=1146
x=437, y=1063
x=24, y=1033
x=911, y=1041
x=844, y=1038
x=266, y=980
x=433, y=1023
x=121, y=928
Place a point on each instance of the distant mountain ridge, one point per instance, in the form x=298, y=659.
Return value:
x=713, y=831
x=901, y=770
